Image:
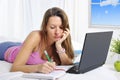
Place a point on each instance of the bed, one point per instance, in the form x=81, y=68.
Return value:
x=103, y=73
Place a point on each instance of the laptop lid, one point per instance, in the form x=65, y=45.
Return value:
x=94, y=53
x=95, y=50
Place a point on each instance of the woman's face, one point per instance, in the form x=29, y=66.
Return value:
x=54, y=28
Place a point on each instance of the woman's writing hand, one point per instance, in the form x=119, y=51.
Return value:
x=46, y=67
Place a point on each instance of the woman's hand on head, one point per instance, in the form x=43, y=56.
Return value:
x=46, y=67
x=64, y=36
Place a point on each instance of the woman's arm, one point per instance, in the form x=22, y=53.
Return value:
x=27, y=48
x=63, y=56
x=46, y=67
x=65, y=60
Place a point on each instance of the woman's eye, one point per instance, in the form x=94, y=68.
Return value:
x=52, y=27
x=61, y=27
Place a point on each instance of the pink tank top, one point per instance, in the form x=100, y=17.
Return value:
x=13, y=51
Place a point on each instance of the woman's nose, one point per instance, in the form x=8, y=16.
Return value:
x=57, y=30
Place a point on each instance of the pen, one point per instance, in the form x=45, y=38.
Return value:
x=47, y=56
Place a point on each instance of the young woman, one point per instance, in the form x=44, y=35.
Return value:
x=53, y=38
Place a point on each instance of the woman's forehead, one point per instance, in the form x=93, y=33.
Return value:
x=55, y=20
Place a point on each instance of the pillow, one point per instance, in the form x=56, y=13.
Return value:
x=77, y=52
x=77, y=48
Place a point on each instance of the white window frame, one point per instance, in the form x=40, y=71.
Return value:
x=100, y=25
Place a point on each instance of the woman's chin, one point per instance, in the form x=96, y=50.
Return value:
x=57, y=39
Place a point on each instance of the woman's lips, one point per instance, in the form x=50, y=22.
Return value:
x=57, y=37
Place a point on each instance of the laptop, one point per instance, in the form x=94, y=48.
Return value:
x=94, y=53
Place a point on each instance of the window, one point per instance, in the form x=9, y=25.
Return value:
x=105, y=13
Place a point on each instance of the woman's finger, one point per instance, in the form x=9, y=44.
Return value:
x=47, y=67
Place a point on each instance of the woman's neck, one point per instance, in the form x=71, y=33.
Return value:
x=49, y=43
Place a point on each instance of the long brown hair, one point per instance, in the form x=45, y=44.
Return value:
x=55, y=11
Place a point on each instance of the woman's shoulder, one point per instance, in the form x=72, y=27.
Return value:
x=34, y=36
x=35, y=33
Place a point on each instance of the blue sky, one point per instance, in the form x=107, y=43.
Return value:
x=105, y=12
x=102, y=0
x=95, y=1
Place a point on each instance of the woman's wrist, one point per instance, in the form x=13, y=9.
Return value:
x=58, y=46
x=61, y=51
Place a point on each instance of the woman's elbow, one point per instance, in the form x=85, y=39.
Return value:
x=13, y=69
x=69, y=62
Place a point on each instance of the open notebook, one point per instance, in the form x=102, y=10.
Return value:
x=57, y=73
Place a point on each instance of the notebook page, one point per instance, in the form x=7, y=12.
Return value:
x=63, y=67
x=52, y=76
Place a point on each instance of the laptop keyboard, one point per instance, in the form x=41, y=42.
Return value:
x=73, y=69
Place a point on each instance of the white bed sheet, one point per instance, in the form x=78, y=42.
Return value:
x=105, y=72
x=5, y=73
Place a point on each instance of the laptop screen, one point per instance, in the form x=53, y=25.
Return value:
x=95, y=50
